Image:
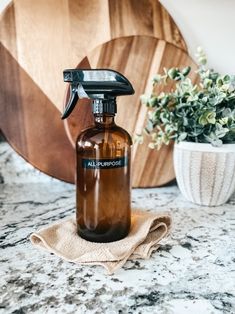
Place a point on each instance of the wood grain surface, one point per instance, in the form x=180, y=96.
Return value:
x=41, y=38
x=138, y=58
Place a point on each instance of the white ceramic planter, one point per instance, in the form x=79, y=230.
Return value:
x=205, y=174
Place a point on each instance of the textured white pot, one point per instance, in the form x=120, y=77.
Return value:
x=205, y=174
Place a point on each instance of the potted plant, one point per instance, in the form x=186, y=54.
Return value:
x=200, y=118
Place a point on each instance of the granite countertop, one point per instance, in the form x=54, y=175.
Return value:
x=192, y=272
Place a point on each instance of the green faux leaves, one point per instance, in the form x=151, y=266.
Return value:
x=203, y=112
x=208, y=117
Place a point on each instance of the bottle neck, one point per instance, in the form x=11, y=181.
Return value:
x=104, y=119
x=104, y=106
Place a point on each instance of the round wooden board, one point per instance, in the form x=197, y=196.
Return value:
x=138, y=58
x=41, y=38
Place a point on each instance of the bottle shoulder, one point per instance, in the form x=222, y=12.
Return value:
x=96, y=134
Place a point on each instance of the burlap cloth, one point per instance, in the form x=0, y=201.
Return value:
x=147, y=229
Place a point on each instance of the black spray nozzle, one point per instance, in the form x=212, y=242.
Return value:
x=99, y=84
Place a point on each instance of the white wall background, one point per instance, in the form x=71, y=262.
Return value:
x=209, y=24
x=3, y=4
x=206, y=23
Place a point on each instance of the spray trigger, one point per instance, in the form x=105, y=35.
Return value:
x=101, y=85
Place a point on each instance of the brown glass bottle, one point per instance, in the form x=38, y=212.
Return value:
x=103, y=181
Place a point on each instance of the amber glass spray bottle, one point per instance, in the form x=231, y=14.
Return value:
x=103, y=154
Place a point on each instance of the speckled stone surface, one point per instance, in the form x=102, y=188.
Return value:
x=192, y=272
